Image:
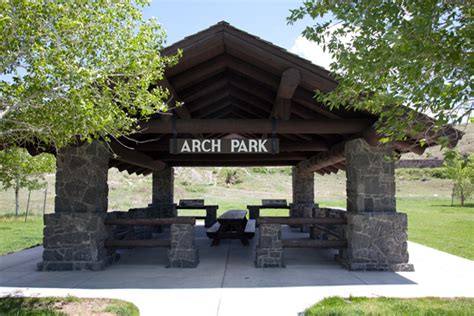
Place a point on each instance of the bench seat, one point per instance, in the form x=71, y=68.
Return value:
x=250, y=228
x=212, y=231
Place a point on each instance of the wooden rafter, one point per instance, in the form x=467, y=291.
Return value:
x=290, y=79
x=135, y=157
x=182, y=111
x=324, y=160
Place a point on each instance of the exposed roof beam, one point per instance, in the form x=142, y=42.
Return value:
x=172, y=158
x=290, y=80
x=259, y=126
x=213, y=108
x=195, y=53
x=263, y=163
x=373, y=139
x=204, y=102
x=324, y=160
x=182, y=110
x=135, y=157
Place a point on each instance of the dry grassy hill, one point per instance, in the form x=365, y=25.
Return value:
x=465, y=145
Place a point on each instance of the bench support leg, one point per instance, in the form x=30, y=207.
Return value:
x=211, y=216
x=269, y=251
x=183, y=252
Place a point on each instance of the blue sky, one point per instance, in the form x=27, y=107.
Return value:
x=264, y=18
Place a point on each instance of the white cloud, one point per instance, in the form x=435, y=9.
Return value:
x=311, y=51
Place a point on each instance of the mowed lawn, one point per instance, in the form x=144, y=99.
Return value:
x=391, y=306
x=16, y=234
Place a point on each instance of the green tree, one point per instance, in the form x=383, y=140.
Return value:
x=393, y=55
x=69, y=68
x=460, y=169
x=19, y=170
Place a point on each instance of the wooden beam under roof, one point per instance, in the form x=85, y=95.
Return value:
x=324, y=160
x=135, y=157
x=204, y=102
x=258, y=126
x=182, y=111
x=288, y=156
x=261, y=163
x=290, y=79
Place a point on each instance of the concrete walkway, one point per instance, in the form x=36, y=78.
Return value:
x=226, y=282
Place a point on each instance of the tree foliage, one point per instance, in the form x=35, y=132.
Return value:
x=390, y=55
x=72, y=68
x=460, y=169
x=19, y=170
x=18, y=167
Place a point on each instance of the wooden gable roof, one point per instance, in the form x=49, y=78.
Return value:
x=233, y=83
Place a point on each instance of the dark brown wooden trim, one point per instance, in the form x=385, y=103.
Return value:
x=323, y=160
x=290, y=79
x=150, y=221
x=284, y=220
x=124, y=243
x=313, y=243
x=135, y=157
x=259, y=126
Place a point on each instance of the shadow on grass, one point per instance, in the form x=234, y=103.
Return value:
x=467, y=205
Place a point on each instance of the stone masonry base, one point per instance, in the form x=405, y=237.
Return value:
x=75, y=241
x=377, y=241
x=269, y=251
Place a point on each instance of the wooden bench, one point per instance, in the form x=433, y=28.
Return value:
x=254, y=210
x=182, y=251
x=319, y=222
x=198, y=204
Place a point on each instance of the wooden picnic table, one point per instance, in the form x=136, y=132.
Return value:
x=233, y=224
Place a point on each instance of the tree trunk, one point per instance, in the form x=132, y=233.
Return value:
x=17, y=198
x=462, y=198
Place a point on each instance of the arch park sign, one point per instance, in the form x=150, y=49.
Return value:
x=224, y=146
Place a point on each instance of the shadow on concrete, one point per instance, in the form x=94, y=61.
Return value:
x=230, y=265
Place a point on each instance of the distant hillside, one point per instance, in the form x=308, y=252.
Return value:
x=465, y=145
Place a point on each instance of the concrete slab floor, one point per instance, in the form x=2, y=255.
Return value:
x=227, y=283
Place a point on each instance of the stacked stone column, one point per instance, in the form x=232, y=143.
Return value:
x=303, y=193
x=376, y=233
x=163, y=192
x=74, y=235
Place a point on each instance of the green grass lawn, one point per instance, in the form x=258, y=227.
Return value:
x=16, y=235
x=392, y=306
x=70, y=305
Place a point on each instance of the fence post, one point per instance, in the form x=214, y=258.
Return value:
x=27, y=205
x=44, y=202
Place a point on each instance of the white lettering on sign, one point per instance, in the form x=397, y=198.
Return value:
x=185, y=148
x=234, y=144
x=221, y=146
x=261, y=145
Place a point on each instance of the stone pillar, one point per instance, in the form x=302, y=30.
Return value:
x=370, y=173
x=163, y=192
x=303, y=193
x=183, y=252
x=74, y=235
x=376, y=233
x=269, y=251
